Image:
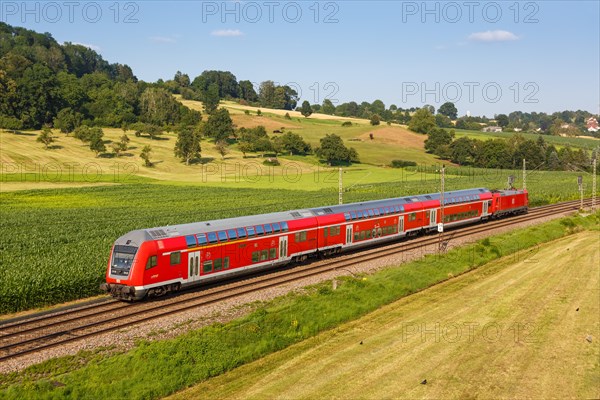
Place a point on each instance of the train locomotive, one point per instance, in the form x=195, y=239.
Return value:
x=152, y=262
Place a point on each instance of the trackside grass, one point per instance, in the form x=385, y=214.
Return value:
x=156, y=369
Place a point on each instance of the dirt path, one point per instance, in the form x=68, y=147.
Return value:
x=516, y=328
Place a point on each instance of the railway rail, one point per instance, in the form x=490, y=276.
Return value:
x=39, y=332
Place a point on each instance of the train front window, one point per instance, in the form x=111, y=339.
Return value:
x=122, y=259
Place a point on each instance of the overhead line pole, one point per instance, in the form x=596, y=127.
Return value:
x=441, y=224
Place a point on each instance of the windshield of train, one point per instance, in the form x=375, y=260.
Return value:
x=122, y=260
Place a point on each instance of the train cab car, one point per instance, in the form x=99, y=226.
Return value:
x=509, y=202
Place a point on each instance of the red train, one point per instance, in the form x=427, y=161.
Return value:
x=152, y=262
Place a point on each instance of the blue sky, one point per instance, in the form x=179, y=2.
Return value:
x=487, y=57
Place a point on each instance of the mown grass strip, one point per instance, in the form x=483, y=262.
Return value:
x=156, y=369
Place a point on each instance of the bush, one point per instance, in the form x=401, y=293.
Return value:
x=346, y=123
x=402, y=164
x=273, y=162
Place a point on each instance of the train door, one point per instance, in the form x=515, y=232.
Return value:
x=193, y=266
x=433, y=217
x=485, y=209
x=401, y=224
x=348, y=234
x=283, y=248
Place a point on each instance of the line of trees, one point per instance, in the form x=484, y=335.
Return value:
x=506, y=153
x=44, y=83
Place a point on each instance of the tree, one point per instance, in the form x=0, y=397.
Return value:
x=67, y=120
x=328, y=107
x=449, y=110
x=211, y=99
x=187, y=146
x=375, y=119
x=462, y=151
x=45, y=137
x=247, y=91
x=333, y=151
x=97, y=144
x=254, y=140
x=306, y=109
x=430, y=108
x=145, y=155
x=219, y=125
x=442, y=121
x=291, y=143
x=502, y=120
x=222, y=148
x=422, y=121
x=438, y=137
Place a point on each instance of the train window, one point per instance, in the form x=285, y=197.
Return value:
x=347, y=216
x=369, y=233
x=201, y=239
x=207, y=266
x=212, y=237
x=264, y=255
x=376, y=211
x=222, y=236
x=268, y=229
x=387, y=210
x=356, y=236
x=260, y=230
x=371, y=213
x=381, y=211
x=363, y=235
x=379, y=232
x=300, y=237
x=232, y=234
x=353, y=214
x=152, y=262
x=334, y=230
x=412, y=216
x=226, y=263
x=218, y=264
x=273, y=253
x=324, y=232
x=191, y=241
x=255, y=256
x=175, y=258
x=397, y=208
x=251, y=231
x=276, y=228
x=284, y=227
x=241, y=233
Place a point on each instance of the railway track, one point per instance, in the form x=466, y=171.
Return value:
x=41, y=332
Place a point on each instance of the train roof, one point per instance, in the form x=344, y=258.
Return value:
x=398, y=201
x=286, y=216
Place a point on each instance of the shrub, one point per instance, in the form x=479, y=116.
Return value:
x=347, y=123
x=273, y=162
x=402, y=164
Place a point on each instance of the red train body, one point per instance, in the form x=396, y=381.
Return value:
x=159, y=260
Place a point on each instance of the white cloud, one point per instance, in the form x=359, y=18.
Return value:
x=163, y=39
x=493, y=36
x=89, y=46
x=227, y=33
